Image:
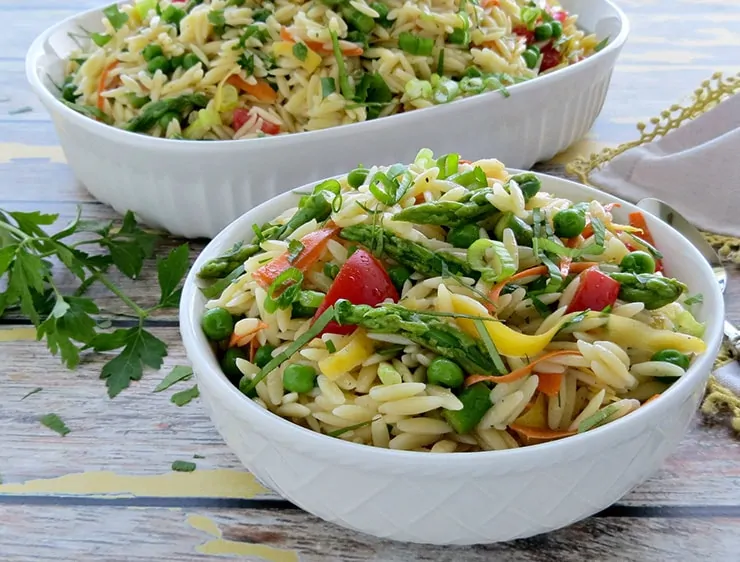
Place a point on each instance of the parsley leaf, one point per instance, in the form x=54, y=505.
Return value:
x=295, y=247
x=246, y=61
x=328, y=86
x=170, y=271
x=603, y=43
x=185, y=396
x=696, y=299
x=177, y=374
x=55, y=423
x=115, y=16
x=300, y=51
x=141, y=349
x=183, y=466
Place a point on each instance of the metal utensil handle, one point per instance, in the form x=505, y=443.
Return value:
x=733, y=337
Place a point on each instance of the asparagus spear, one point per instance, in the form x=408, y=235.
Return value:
x=426, y=330
x=653, y=290
x=408, y=253
x=469, y=209
x=315, y=206
x=152, y=112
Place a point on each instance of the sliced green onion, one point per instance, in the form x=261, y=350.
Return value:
x=311, y=299
x=396, y=170
x=445, y=90
x=424, y=158
x=386, y=195
x=336, y=203
x=330, y=347
x=388, y=374
x=448, y=165
x=295, y=247
x=598, y=417
x=490, y=346
x=500, y=265
x=331, y=185
x=289, y=284
x=341, y=431
x=246, y=385
x=344, y=84
x=415, y=45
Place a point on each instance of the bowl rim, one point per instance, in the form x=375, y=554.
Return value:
x=52, y=102
x=205, y=365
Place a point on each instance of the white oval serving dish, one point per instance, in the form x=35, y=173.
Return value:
x=195, y=189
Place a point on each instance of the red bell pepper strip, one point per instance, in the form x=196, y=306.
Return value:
x=595, y=292
x=314, y=245
x=361, y=280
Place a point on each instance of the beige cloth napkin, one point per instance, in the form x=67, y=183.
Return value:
x=695, y=168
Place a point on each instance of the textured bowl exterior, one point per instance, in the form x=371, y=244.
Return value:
x=195, y=189
x=458, y=498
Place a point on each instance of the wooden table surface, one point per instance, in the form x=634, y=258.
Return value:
x=106, y=490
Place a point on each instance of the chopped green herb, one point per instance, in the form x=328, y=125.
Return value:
x=115, y=16
x=490, y=346
x=695, y=299
x=343, y=430
x=603, y=43
x=100, y=39
x=185, y=396
x=246, y=62
x=295, y=247
x=177, y=374
x=328, y=86
x=300, y=51
x=198, y=456
x=217, y=19
x=330, y=346
x=183, y=466
x=55, y=423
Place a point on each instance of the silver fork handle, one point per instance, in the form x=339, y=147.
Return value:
x=733, y=337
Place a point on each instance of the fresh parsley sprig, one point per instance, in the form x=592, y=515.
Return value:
x=70, y=323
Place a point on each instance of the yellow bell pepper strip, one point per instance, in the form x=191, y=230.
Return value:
x=536, y=416
x=507, y=341
x=310, y=61
x=358, y=349
x=626, y=332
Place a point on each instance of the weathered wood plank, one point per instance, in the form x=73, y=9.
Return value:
x=91, y=534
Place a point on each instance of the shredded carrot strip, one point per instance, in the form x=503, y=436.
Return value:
x=489, y=3
x=549, y=383
x=348, y=48
x=261, y=90
x=573, y=242
x=496, y=289
x=609, y=207
x=102, y=82
x=653, y=397
x=539, y=433
x=252, y=350
x=464, y=162
x=241, y=341
x=637, y=220
x=521, y=372
x=582, y=266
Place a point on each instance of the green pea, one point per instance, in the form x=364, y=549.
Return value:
x=399, y=275
x=176, y=62
x=158, y=63
x=444, y=372
x=557, y=29
x=263, y=355
x=535, y=49
x=530, y=58
x=217, y=324
x=190, y=60
x=228, y=363
x=672, y=356
x=543, y=32
x=151, y=52
x=569, y=223
x=357, y=177
x=638, y=262
x=299, y=378
x=463, y=236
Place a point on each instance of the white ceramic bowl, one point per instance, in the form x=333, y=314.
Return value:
x=197, y=188
x=455, y=498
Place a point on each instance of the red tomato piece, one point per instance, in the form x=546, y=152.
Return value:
x=314, y=245
x=559, y=15
x=242, y=115
x=522, y=31
x=550, y=58
x=595, y=292
x=361, y=280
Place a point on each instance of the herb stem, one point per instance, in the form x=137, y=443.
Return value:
x=13, y=230
x=116, y=291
